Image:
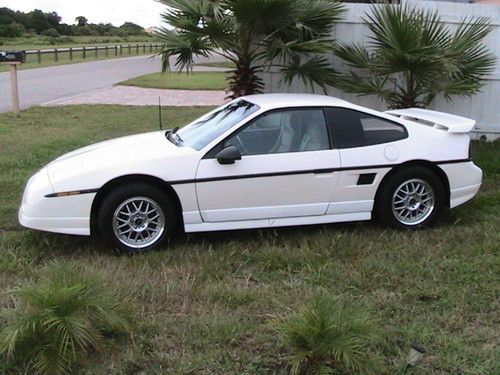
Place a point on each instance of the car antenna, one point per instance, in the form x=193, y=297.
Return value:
x=159, y=112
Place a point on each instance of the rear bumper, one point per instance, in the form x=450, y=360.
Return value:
x=465, y=180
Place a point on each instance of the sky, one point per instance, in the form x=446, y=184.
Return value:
x=143, y=12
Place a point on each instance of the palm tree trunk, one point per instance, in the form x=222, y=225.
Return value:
x=244, y=79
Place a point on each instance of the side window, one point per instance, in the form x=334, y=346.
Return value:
x=350, y=128
x=283, y=131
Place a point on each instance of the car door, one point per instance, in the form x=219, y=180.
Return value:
x=369, y=146
x=286, y=169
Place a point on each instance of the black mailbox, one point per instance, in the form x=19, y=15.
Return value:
x=12, y=56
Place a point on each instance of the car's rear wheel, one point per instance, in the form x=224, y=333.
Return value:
x=410, y=198
x=137, y=217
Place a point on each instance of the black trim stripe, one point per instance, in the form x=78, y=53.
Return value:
x=70, y=193
x=453, y=161
x=310, y=171
x=259, y=175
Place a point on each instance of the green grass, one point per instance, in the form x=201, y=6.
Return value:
x=207, y=302
x=17, y=44
x=180, y=81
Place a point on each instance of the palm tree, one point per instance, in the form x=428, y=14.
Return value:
x=291, y=36
x=329, y=337
x=412, y=57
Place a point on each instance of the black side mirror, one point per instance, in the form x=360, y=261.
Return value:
x=228, y=155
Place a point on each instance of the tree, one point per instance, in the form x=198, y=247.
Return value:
x=38, y=21
x=413, y=57
x=81, y=21
x=288, y=35
x=131, y=28
x=12, y=30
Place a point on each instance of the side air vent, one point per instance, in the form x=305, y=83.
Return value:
x=366, y=178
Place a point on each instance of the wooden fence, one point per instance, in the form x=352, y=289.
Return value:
x=90, y=52
x=484, y=107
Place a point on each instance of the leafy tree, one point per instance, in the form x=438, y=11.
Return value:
x=131, y=28
x=12, y=30
x=81, y=21
x=290, y=36
x=413, y=57
x=38, y=21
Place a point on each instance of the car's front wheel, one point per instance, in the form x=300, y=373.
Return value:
x=411, y=198
x=137, y=217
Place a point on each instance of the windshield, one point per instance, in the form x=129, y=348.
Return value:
x=201, y=132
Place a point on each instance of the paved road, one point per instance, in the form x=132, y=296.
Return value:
x=41, y=85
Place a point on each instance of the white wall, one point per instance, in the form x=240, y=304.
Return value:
x=484, y=107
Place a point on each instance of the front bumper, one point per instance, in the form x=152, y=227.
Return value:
x=68, y=215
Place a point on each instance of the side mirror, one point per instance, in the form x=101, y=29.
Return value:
x=228, y=155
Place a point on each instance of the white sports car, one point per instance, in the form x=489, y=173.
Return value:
x=259, y=161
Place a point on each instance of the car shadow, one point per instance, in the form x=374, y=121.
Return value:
x=64, y=245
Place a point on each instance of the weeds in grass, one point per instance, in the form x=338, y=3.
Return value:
x=329, y=337
x=60, y=318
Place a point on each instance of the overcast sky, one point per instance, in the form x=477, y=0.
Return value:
x=143, y=12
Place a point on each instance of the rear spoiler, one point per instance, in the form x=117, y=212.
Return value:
x=438, y=120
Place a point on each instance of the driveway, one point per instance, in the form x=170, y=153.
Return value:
x=128, y=95
x=37, y=86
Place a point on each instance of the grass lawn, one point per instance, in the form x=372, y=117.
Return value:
x=180, y=81
x=206, y=302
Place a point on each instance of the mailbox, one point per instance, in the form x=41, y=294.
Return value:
x=12, y=56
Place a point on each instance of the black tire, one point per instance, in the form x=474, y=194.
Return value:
x=132, y=193
x=383, y=208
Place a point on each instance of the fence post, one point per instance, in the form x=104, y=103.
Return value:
x=96, y=52
x=56, y=57
x=84, y=53
x=129, y=49
x=39, y=56
x=144, y=48
x=71, y=53
x=150, y=48
x=136, y=49
x=106, y=51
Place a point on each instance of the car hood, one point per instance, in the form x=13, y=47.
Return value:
x=127, y=154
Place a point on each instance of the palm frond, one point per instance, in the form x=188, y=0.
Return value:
x=415, y=48
x=60, y=317
x=312, y=71
x=327, y=336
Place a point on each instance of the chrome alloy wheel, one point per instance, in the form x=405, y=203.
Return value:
x=413, y=202
x=138, y=222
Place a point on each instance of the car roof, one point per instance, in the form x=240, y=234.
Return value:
x=269, y=101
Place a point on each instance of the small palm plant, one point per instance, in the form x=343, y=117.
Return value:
x=326, y=337
x=288, y=35
x=60, y=318
x=413, y=57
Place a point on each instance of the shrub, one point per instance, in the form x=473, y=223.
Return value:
x=60, y=318
x=53, y=33
x=12, y=30
x=327, y=337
